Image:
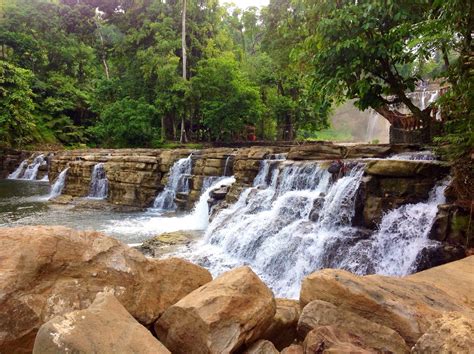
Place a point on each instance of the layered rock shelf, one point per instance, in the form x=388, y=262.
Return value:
x=70, y=291
x=137, y=176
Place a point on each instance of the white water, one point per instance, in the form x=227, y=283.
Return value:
x=30, y=171
x=177, y=183
x=19, y=171
x=417, y=155
x=153, y=224
x=270, y=229
x=99, y=186
x=295, y=221
x=57, y=187
x=371, y=124
x=401, y=236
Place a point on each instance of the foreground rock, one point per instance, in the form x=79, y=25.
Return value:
x=262, y=347
x=370, y=335
x=452, y=333
x=409, y=307
x=221, y=316
x=282, y=330
x=104, y=327
x=329, y=339
x=456, y=279
x=50, y=271
x=167, y=242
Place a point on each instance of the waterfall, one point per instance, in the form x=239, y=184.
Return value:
x=177, y=183
x=58, y=185
x=45, y=178
x=401, y=236
x=281, y=225
x=19, y=170
x=151, y=224
x=99, y=183
x=228, y=165
x=371, y=123
x=31, y=170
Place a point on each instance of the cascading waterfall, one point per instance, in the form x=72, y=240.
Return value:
x=19, y=170
x=99, y=186
x=401, y=236
x=31, y=170
x=58, y=185
x=371, y=123
x=281, y=226
x=414, y=156
x=177, y=183
x=228, y=165
x=296, y=220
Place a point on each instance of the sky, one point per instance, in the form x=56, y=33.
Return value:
x=246, y=3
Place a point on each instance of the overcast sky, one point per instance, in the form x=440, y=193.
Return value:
x=246, y=3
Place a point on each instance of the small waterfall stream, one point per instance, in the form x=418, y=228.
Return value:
x=28, y=171
x=99, y=186
x=58, y=186
x=177, y=183
x=19, y=170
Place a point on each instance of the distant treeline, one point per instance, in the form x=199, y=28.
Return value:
x=111, y=72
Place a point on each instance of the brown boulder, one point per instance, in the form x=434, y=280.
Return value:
x=50, y=271
x=455, y=278
x=405, y=306
x=104, y=327
x=219, y=317
x=262, y=347
x=293, y=349
x=372, y=335
x=329, y=339
x=452, y=333
x=282, y=330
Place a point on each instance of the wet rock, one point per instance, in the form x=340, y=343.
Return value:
x=438, y=254
x=406, y=168
x=233, y=310
x=262, y=347
x=404, y=305
x=105, y=326
x=165, y=242
x=282, y=330
x=316, y=210
x=373, y=336
x=451, y=333
x=219, y=193
x=332, y=339
x=50, y=271
x=368, y=151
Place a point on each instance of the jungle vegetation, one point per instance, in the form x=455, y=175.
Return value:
x=139, y=73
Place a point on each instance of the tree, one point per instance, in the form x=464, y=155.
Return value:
x=226, y=100
x=17, y=123
x=359, y=50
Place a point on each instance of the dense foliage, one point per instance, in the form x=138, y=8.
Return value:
x=110, y=72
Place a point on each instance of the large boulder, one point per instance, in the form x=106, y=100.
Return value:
x=221, y=316
x=104, y=327
x=372, y=336
x=406, y=306
x=455, y=278
x=452, y=333
x=282, y=330
x=50, y=271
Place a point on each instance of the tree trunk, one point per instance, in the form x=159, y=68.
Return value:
x=183, y=138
